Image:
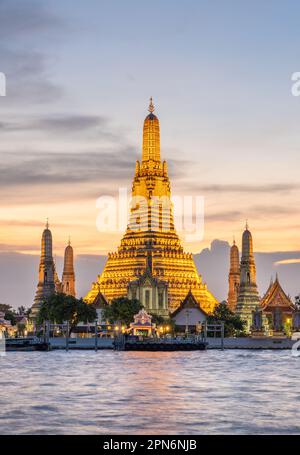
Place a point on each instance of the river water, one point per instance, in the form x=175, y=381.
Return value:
x=212, y=392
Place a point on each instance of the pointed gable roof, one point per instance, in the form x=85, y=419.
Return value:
x=188, y=302
x=147, y=279
x=100, y=301
x=275, y=297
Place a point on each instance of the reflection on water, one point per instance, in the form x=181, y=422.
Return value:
x=149, y=393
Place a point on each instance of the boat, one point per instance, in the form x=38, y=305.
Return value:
x=26, y=344
x=155, y=344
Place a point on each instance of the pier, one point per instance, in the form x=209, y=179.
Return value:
x=122, y=343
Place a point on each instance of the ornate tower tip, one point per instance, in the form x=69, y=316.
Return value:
x=47, y=223
x=69, y=241
x=151, y=107
x=247, y=225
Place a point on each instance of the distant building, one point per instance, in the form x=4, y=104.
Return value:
x=278, y=308
x=5, y=326
x=189, y=316
x=234, y=277
x=68, y=277
x=48, y=280
x=248, y=298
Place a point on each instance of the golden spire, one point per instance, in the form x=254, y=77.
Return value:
x=151, y=108
x=151, y=136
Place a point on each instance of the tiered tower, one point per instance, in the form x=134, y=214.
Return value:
x=68, y=278
x=234, y=277
x=248, y=299
x=47, y=274
x=151, y=228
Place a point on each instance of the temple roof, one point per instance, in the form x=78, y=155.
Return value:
x=147, y=278
x=276, y=297
x=100, y=301
x=188, y=302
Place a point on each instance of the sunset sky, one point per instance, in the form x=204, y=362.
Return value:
x=78, y=84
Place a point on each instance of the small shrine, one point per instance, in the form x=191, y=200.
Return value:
x=279, y=309
x=142, y=325
x=189, y=316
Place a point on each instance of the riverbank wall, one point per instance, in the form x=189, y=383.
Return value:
x=213, y=343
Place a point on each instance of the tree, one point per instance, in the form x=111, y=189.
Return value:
x=160, y=321
x=4, y=308
x=122, y=310
x=60, y=308
x=9, y=313
x=233, y=324
x=22, y=310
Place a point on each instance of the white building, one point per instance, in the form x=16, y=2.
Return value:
x=189, y=316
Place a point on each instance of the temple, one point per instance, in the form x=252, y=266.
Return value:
x=68, y=277
x=151, y=231
x=278, y=308
x=234, y=277
x=248, y=298
x=48, y=280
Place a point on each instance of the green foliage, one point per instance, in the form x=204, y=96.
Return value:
x=60, y=308
x=158, y=320
x=161, y=321
x=233, y=324
x=9, y=313
x=122, y=310
x=4, y=308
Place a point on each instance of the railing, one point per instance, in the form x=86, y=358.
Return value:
x=215, y=329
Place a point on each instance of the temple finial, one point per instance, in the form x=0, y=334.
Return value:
x=47, y=223
x=151, y=107
x=69, y=241
x=247, y=225
x=234, y=240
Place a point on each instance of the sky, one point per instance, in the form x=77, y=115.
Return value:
x=79, y=77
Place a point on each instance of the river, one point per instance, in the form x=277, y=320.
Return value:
x=212, y=392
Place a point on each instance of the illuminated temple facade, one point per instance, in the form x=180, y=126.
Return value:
x=151, y=238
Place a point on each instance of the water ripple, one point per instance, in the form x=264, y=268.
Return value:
x=150, y=393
